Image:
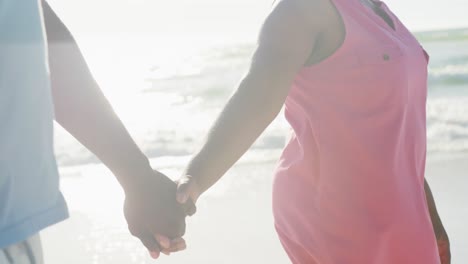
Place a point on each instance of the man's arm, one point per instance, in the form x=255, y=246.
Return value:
x=82, y=109
x=439, y=230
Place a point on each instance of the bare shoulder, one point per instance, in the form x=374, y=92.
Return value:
x=311, y=13
x=290, y=33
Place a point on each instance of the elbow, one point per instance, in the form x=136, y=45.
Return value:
x=60, y=114
x=264, y=97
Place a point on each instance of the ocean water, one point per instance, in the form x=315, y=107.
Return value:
x=447, y=107
x=168, y=92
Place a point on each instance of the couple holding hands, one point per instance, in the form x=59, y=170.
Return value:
x=349, y=186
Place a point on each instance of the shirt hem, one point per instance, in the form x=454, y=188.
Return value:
x=24, y=229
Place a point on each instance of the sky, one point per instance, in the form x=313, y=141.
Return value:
x=224, y=17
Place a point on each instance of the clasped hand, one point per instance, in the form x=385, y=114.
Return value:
x=155, y=212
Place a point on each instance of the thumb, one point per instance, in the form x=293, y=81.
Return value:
x=186, y=188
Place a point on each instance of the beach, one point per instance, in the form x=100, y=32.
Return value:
x=233, y=225
x=168, y=97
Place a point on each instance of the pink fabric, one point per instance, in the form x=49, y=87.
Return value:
x=349, y=188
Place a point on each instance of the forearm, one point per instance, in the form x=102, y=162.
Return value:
x=82, y=109
x=249, y=111
x=436, y=221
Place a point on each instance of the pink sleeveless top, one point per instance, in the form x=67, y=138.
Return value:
x=349, y=187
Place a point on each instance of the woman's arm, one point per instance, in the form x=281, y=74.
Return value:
x=286, y=41
x=439, y=230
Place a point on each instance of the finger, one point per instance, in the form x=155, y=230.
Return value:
x=183, y=189
x=163, y=241
x=177, y=244
x=154, y=255
x=151, y=244
x=187, y=188
x=189, y=208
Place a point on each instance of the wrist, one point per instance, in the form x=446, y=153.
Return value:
x=133, y=173
x=195, y=190
x=440, y=232
x=197, y=181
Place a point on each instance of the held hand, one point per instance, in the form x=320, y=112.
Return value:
x=154, y=216
x=184, y=185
